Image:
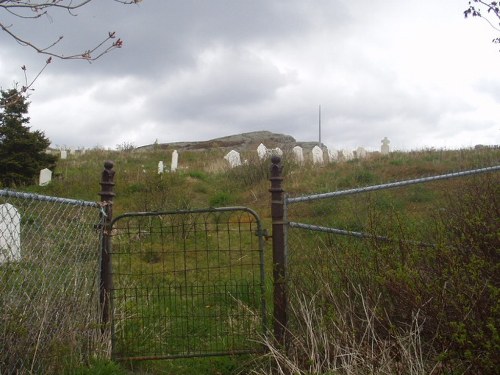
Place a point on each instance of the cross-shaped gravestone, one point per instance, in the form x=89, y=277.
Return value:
x=385, y=149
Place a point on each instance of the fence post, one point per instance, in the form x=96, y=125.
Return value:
x=280, y=299
x=107, y=194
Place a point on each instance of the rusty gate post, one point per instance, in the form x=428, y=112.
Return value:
x=106, y=282
x=280, y=299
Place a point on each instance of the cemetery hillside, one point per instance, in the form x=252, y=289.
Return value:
x=396, y=279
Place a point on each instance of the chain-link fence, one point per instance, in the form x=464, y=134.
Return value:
x=49, y=282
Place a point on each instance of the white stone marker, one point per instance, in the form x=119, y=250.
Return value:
x=45, y=177
x=276, y=152
x=262, y=151
x=72, y=151
x=317, y=154
x=333, y=155
x=347, y=154
x=233, y=157
x=360, y=153
x=64, y=154
x=299, y=154
x=160, y=167
x=175, y=160
x=385, y=149
x=10, y=233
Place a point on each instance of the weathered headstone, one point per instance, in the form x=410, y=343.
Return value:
x=317, y=155
x=299, y=154
x=276, y=152
x=45, y=177
x=175, y=161
x=347, y=154
x=233, y=158
x=10, y=233
x=360, y=153
x=385, y=149
x=72, y=151
x=160, y=167
x=262, y=151
x=64, y=154
x=333, y=155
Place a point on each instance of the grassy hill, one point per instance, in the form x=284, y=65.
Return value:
x=357, y=306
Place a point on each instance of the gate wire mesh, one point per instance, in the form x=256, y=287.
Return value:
x=187, y=283
x=49, y=286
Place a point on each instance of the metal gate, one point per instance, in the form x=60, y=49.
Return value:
x=187, y=283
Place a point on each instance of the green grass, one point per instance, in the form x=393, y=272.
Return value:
x=151, y=290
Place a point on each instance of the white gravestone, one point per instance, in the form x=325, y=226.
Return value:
x=10, y=233
x=262, y=151
x=333, y=155
x=299, y=154
x=175, y=161
x=317, y=155
x=360, y=153
x=233, y=157
x=64, y=154
x=72, y=151
x=347, y=154
x=385, y=149
x=276, y=152
x=45, y=177
x=160, y=167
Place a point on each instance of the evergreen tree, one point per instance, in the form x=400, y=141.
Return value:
x=22, y=151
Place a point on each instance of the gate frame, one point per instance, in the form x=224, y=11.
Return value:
x=261, y=233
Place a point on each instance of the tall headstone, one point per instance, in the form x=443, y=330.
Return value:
x=333, y=155
x=175, y=161
x=160, y=167
x=45, y=177
x=360, y=153
x=233, y=158
x=299, y=154
x=262, y=151
x=385, y=149
x=10, y=233
x=64, y=154
x=317, y=155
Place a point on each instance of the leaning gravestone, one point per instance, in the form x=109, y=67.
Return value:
x=45, y=177
x=10, y=233
x=262, y=151
x=175, y=160
x=160, y=167
x=385, y=149
x=299, y=154
x=233, y=157
x=317, y=155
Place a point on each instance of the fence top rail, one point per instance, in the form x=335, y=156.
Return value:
x=46, y=198
x=193, y=211
x=391, y=185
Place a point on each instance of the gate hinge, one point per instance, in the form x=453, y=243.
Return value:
x=263, y=233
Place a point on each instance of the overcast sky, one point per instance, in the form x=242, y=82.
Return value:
x=416, y=72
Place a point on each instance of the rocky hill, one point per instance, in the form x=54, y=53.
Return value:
x=238, y=142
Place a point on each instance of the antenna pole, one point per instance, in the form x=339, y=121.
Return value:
x=319, y=143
